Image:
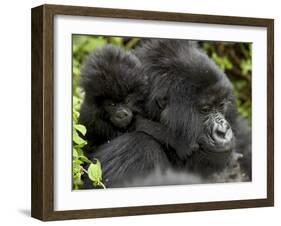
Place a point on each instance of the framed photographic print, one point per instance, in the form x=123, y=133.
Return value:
x=141, y=112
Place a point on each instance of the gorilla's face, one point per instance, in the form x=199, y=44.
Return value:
x=197, y=112
x=120, y=111
x=217, y=134
x=119, y=114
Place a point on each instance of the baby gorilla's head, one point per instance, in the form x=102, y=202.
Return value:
x=114, y=92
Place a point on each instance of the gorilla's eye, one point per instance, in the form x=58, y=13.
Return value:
x=110, y=103
x=222, y=105
x=205, y=109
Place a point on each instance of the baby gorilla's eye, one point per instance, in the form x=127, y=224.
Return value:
x=109, y=103
x=205, y=109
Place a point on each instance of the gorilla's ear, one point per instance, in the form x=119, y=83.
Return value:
x=161, y=102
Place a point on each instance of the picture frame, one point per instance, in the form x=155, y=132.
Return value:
x=43, y=110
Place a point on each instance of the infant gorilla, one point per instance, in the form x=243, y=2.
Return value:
x=114, y=100
x=114, y=94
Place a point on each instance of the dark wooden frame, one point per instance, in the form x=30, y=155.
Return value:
x=42, y=203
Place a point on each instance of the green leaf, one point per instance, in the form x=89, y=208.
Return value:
x=76, y=102
x=76, y=71
x=77, y=139
x=82, y=129
x=223, y=62
x=94, y=43
x=240, y=84
x=75, y=153
x=246, y=66
x=116, y=41
x=94, y=172
x=85, y=159
x=79, y=146
x=79, y=150
x=75, y=116
x=78, y=40
x=77, y=163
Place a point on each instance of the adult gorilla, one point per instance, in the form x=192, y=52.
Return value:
x=194, y=100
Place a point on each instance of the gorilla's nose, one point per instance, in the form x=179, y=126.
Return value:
x=222, y=133
x=123, y=114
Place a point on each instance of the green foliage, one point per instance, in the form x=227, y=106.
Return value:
x=223, y=62
x=78, y=158
x=82, y=46
x=78, y=144
x=95, y=174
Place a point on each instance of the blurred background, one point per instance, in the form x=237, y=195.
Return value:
x=235, y=59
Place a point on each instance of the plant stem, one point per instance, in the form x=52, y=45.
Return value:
x=103, y=186
x=85, y=171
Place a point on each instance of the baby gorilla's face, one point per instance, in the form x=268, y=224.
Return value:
x=119, y=113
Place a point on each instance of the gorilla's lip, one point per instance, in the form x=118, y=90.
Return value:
x=215, y=148
x=220, y=149
x=122, y=124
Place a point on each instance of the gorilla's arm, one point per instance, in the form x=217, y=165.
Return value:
x=132, y=155
x=161, y=133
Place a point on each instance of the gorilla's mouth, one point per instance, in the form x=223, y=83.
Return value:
x=122, y=123
x=214, y=156
x=216, y=140
x=217, y=149
x=209, y=145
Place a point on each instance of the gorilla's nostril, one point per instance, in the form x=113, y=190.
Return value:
x=221, y=129
x=123, y=114
x=221, y=133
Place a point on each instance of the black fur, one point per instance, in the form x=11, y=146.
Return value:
x=112, y=74
x=109, y=74
x=187, y=79
x=181, y=79
x=132, y=155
